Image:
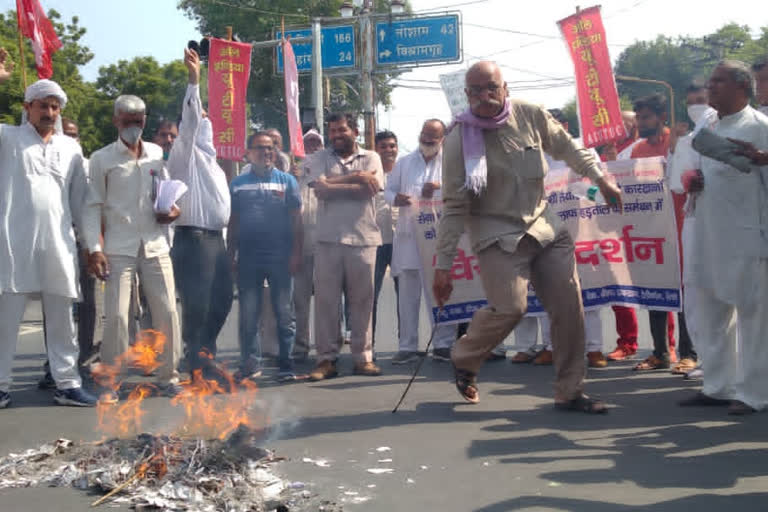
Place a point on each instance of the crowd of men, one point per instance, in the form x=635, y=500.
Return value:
x=325, y=231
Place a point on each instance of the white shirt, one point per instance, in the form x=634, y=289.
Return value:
x=206, y=203
x=408, y=177
x=42, y=189
x=731, y=229
x=120, y=191
x=385, y=215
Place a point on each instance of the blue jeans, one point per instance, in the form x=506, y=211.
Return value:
x=250, y=284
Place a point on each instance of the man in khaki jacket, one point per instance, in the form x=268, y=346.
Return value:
x=493, y=181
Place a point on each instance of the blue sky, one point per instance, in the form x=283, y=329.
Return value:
x=123, y=29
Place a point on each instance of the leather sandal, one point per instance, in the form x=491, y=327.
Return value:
x=583, y=404
x=466, y=383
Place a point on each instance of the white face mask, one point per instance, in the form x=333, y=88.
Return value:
x=131, y=135
x=429, y=151
x=697, y=112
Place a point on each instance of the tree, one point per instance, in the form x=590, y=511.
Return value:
x=684, y=60
x=161, y=87
x=255, y=20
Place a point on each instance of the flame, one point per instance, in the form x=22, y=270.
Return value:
x=212, y=408
x=210, y=412
x=124, y=419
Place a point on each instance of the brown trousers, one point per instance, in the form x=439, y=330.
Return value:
x=552, y=271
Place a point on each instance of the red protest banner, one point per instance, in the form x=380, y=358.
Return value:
x=229, y=66
x=598, y=100
x=291, y=78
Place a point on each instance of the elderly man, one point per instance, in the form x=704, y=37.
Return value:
x=416, y=175
x=200, y=262
x=493, y=183
x=124, y=180
x=282, y=160
x=303, y=279
x=346, y=181
x=730, y=256
x=42, y=187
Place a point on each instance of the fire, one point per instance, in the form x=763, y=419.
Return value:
x=212, y=408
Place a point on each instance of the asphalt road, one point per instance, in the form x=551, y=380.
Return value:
x=510, y=452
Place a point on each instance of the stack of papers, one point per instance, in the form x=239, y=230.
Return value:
x=168, y=192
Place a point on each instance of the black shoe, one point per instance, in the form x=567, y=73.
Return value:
x=441, y=354
x=702, y=400
x=46, y=382
x=5, y=399
x=405, y=357
x=77, y=397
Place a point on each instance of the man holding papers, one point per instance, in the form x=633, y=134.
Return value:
x=123, y=189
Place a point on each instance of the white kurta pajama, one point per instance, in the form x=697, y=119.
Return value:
x=729, y=265
x=42, y=190
x=408, y=177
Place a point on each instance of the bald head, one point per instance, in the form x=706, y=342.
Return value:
x=485, y=89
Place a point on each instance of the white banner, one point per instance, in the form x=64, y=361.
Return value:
x=630, y=259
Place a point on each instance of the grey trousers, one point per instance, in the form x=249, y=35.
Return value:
x=552, y=271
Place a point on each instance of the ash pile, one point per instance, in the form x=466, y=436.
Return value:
x=150, y=472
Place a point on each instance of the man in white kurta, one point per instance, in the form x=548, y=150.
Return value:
x=123, y=183
x=730, y=256
x=42, y=188
x=416, y=175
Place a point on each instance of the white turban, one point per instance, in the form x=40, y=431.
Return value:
x=313, y=134
x=44, y=88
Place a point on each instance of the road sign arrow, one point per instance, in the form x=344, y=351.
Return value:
x=382, y=35
x=385, y=54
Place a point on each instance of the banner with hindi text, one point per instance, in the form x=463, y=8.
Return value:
x=628, y=258
x=596, y=95
x=229, y=66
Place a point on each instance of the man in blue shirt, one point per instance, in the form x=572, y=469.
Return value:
x=264, y=240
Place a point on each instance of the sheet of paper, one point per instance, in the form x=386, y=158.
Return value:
x=168, y=192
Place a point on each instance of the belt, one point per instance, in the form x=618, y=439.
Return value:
x=200, y=231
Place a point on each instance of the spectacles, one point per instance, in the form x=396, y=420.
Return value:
x=477, y=90
x=262, y=148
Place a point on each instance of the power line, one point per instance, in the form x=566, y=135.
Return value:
x=511, y=31
x=261, y=11
x=441, y=7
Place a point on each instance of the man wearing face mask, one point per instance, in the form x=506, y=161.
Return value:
x=683, y=161
x=123, y=185
x=200, y=262
x=416, y=175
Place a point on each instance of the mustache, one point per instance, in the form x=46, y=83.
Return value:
x=487, y=103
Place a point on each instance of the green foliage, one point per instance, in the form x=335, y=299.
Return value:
x=684, y=60
x=161, y=87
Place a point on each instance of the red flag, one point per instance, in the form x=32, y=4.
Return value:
x=599, y=110
x=35, y=25
x=291, y=77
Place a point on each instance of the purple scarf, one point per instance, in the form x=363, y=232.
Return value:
x=473, y=145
